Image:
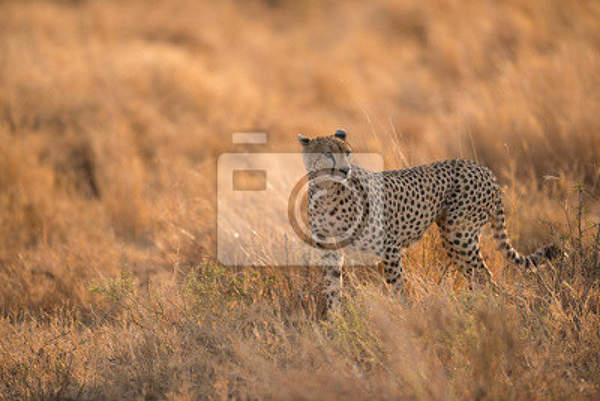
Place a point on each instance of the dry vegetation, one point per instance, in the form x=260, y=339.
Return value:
x=112, y=114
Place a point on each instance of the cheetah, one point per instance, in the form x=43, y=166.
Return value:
x=384, y=212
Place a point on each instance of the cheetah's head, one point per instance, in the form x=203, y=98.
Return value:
x=327, y=153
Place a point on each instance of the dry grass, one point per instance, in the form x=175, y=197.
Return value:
x=112, y=115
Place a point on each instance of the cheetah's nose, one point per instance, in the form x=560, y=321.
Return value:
x=345, y=170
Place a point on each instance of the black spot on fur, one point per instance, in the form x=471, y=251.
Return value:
x=552, y=252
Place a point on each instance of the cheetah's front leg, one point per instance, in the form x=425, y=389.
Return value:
x=332, y=274
x=393, y=271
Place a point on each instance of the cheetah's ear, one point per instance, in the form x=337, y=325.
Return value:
x=303, y=140
x=340, y=134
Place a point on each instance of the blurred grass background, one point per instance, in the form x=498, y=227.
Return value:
x=112, y=115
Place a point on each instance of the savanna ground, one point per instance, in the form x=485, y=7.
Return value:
x=112, y=115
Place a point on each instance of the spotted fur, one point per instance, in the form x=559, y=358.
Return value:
x=390, y=210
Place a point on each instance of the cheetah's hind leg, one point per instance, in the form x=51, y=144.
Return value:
x=463, y=250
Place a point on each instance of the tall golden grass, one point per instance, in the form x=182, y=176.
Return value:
x=112, y=115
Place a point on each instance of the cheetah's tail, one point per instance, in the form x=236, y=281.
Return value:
x=529, y=262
